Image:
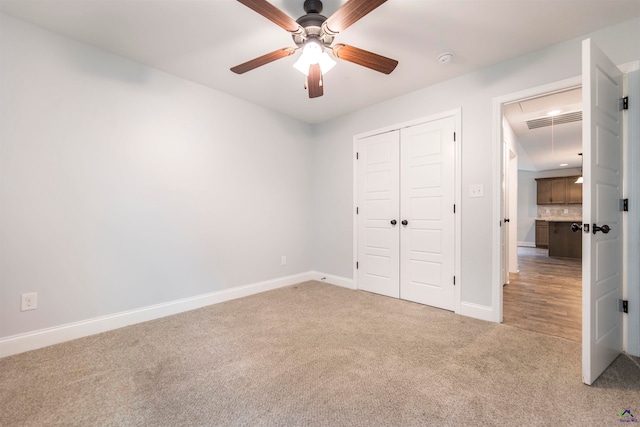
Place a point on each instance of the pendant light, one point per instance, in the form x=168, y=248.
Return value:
x=580, y=180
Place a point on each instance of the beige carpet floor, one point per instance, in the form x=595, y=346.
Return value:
x=313, y=354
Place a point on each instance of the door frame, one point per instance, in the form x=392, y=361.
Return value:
x=630, y=329
x=498, y=165
x=457, y=115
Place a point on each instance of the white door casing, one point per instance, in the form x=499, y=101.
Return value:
x=378, y=191
x=505, y=213
x=602, y=253
x=427, y=199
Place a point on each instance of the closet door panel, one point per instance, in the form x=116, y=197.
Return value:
x=378, y=195
x=427, y=167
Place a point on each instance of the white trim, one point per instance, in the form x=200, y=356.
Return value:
x=477, y=311
x=496, y=269
x=628, y=67
x=527, y=244
x=457, y=115
x=333, y=280
x=442, y=115
x=355, y=216
x=631, y=220
x=44, y=337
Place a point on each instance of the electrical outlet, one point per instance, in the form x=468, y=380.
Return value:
x=283, y=260
x=29, y=301
x=476, y=190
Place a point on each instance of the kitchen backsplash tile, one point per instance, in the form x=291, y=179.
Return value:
x=555, y=211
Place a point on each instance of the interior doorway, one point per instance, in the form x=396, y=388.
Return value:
x=605, y=247
x=542, y=266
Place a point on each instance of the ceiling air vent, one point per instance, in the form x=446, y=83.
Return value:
x=542, y=122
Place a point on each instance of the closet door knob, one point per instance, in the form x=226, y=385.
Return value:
x=405, y=222
x=394, y=222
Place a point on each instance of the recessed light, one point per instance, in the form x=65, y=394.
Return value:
x=564, y=164
x=553, y=113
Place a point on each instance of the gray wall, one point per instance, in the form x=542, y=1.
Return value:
x=123, y=186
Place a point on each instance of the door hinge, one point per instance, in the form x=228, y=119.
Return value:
x=454, y=280
x=624, y=205
x=357, y=210
x=357, y=265
x=357, y=156
x=454, y=137
x=625, y=306
x=454, y=208
x=625, y=103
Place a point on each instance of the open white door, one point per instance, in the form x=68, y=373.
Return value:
x=602, y=230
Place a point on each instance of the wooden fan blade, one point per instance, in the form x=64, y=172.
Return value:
x=365, y=58
x=348, y=14
x=274, y=14
x=262, y=60
x=315, y=81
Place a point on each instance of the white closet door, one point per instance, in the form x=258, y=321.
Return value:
x=427, y=242
x=378, y=193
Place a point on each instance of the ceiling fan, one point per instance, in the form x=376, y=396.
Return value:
x=314, y=34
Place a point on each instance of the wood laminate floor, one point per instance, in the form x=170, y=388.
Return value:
x=546, y=295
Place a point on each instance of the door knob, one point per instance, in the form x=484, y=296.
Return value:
x=507, y=220
x=394, y=222
x=405, y=222
x=605, y=229
x=576, y=227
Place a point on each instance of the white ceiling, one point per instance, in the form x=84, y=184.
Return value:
x=546, y=148
x=200, y=40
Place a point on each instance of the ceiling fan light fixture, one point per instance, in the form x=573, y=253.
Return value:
x=313, y=53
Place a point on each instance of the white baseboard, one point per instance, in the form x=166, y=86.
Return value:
x=45, y=337
x=527, y=244
x=333, y=280
x=477, y=311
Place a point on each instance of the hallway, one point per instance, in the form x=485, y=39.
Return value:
x=546, y=295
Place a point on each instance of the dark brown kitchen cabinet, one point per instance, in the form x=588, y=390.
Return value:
x=563, y=242
x=574, y=191
x=558, y=191
x=544, y=191
x=542, y=234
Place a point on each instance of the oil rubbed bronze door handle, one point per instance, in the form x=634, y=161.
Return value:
x=405, y=222
x=394, y=222
x=605, y=229
x=576, y=227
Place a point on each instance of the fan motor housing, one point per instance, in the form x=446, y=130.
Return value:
x=312, y=24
